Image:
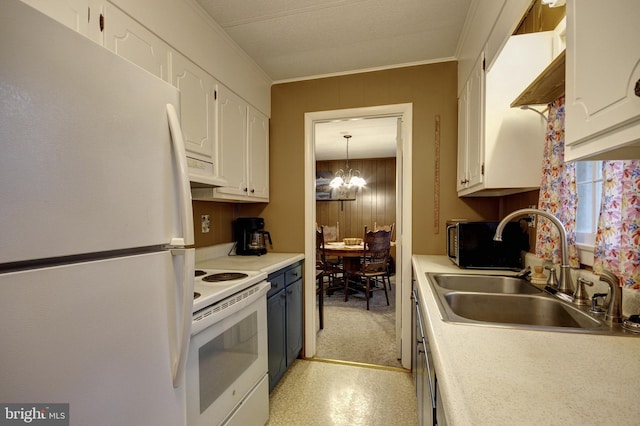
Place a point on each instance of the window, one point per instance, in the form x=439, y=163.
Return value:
x=589, y=183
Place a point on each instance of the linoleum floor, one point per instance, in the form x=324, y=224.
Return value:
x=318, y=393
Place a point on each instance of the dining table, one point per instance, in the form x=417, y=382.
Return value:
x=351, y=253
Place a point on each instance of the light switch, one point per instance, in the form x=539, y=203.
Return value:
x=205, y=221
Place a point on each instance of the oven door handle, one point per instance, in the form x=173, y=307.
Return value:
x=188, y=256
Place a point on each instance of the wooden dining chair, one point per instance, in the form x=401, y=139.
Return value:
x=329, y=271
x=375, y=259
x=331, y=234
x=391, y=227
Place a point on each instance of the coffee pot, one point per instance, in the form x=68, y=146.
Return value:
x=251, y=238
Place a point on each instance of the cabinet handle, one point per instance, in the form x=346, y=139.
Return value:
x=637, y=88
x=253, y=190
x=246, y=190
x=101, y=22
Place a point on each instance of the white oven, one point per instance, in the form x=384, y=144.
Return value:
x=227, y=380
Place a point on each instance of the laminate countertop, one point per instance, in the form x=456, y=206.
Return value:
x=503, y=376
x=270, y=262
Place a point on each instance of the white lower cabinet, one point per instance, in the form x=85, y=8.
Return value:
x=430, y=401
x=603, y=80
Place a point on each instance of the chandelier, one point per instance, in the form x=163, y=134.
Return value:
x=348, y=179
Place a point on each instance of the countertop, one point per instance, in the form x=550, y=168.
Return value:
x=270, y=262
x=502, y=376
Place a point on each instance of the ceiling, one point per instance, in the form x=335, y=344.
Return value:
x=298, y=39
x=302, y=39
x=370, y=138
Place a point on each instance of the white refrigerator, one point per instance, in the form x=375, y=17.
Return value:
x=96, y=285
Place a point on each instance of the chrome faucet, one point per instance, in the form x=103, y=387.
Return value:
x=564, y=284
x=614, y=309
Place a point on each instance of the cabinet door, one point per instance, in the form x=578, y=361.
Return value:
x=475, y=124
x=602, y=109
x=258, y=154
x=294, y=321
x=232, y=140
x=126, y=38
x=441, y=418
x=276, y=323
x=82, y=16
x=463, y=106
x=471, y=130
x=197, y=107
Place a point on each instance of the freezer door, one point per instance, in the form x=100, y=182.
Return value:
x=103, y=337
x=87, y=161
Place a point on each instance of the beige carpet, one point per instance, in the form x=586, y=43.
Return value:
x=351, y=333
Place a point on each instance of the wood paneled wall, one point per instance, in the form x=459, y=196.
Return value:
x=375, y=203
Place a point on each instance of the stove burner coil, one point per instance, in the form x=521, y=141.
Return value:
x=199, y=272
x=224, y=276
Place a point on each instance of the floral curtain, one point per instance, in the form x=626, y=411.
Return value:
x=618, y=237
x=558, y=193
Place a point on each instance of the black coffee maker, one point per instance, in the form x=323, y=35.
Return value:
x=251, y=238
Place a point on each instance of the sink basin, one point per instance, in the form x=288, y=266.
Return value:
x=503, y=301
x=484, y=283
x=528, y=310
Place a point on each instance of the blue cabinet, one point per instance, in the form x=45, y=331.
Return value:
x=284, y=320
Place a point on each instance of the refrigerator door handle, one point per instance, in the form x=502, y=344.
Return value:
x=184, y=187
x=186, y=313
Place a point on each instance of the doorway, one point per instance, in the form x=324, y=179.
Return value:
x=403, y=219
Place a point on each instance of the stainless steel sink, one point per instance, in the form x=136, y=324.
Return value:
x=502, y=301
x=528, y=310
x=485, y=283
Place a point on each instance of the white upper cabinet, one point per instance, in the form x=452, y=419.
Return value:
x=233, y=143
x=127, y=38
x=226, y=139
x=258, y=141
x=603, y=80
x=471, y=130
x=83, y=16
x=503, y=150
x=199, y=118
x=243, y=150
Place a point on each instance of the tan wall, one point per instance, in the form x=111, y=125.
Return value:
x=221, y=215
x=432, y=91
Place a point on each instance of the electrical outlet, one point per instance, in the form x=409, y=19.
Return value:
x=205, y=221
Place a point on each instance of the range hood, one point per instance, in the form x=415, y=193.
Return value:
x=206, y=182
x=202, y=174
